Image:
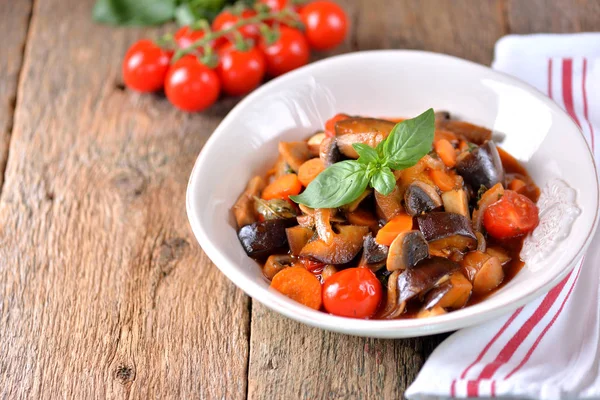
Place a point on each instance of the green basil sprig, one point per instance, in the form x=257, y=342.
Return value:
x=344, y=181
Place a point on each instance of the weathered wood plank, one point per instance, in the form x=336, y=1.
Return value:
x=13, y=31
x=289, y=360
x=463, y=28
x=103, y=289
x=557, y=16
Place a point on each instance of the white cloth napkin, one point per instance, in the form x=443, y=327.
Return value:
x=549, y=349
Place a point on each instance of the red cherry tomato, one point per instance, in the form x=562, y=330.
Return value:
x=191, y=85
x=513, y=215
x=330, y=124
x=326, y=24
x=240, y=71
x=289, y=51
x=353, y=292
x=145, y=66
x=226, y=19
x=186, y=36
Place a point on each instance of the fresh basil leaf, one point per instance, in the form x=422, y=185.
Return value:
x=339, y=184
x=133, y=12
x=409, y=141
x=384, y=181
x=366, y=153
x=184, y=15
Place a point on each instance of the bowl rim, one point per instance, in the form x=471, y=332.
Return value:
x=398, y=328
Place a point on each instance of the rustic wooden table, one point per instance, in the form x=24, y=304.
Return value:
x=104, y=291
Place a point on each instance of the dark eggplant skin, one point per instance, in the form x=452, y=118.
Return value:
x=407, y=250
x=374, y=252
x=446, y=226
x=420, y=197
x=419, y=280
x=329, y=152
x=481, y=167
x=261, y=239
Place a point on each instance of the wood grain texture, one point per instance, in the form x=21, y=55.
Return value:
x=462, y=28
x=13, y=31
x=557, y=16
x=104, y=292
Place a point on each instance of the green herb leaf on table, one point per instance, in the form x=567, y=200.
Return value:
x=384, y=181
x=339, y=184
x=345, y=181
x=134, y=12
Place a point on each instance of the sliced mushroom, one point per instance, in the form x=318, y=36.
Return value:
x=263, y=238
x=373, y=252
x=429, y=272
x=442, y=116
x=369, y=131
x=280, y=168
x=329, y=152
x=342, y=249
x=314, y=143
x=446, y=231
x=484, y=271
x=481, y=242
x=297, y=237
x=481, y=167
x=473, y=133
x=328, y=270
x=407, y=250
x=323, y=223
x=243, y=210
x=456, y=201
x=433, y=312
x=388, y=206
x=488, y=198
x=500, y=253
x=276, y=263
x=294, y=153
x=393, y=308
x=421, y=198
x=454, y=293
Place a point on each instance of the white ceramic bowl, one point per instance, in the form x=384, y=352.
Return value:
x=396, y=84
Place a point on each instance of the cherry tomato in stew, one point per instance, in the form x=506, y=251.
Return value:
x=353, y=292
x=145, y=66
x=191, y=85
x=288, y=52
x=513, y=215
x=240, y=71
x=326, y=24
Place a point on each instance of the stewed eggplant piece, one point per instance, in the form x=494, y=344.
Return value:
x=444, y=231
x=456, y=201
x=373, y=252
x=481, y=167
x=483, y=270
x=428, y=273
x=276, y=263
x=263, y=238
x=297, y=237
x=329, y=152
x=421, y=198
x=243, y=210
x=294, y=153
x=407, y=250
x=342, y=248
x=390, y=205
x=369, y=131
x=472, y=133
x=314, y=143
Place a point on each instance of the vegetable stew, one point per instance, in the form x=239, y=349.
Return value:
x=383, y=219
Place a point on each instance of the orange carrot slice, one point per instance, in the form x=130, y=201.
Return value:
x=309, y=170
x=443, y=180
x=395, y=226
x=300, y=285
x=446, y=151
x=282, y=188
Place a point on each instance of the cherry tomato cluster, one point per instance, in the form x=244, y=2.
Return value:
x=235, y=53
